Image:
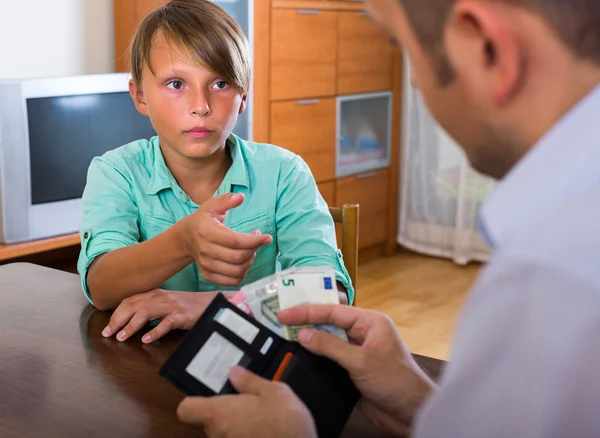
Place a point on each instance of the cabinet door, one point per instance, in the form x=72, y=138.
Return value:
x=365, y=56
x=303, y=53
x=327, y=190
x=370, y=191
x=307, y=128
x=127, y=15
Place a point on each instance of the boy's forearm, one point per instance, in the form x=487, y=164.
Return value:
x=125, y=272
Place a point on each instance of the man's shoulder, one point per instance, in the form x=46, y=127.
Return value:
x=567, y=239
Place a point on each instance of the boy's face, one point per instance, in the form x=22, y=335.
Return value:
x=191, y=108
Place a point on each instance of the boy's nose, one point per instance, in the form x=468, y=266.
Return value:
x=200, y=106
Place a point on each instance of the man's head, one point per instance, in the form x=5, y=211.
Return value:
x=190, y=66
x=496, y=74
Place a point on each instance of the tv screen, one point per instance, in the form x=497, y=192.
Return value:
x=66, y=132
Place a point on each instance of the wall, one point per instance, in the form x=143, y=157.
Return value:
x=40, y=38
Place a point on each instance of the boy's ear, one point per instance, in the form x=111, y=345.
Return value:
x=138, y=98
x=243, y=103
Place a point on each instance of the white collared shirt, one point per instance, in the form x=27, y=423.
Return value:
x=526, y=355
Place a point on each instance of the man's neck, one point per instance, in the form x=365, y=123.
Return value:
x=200, y=177
x=551, y=101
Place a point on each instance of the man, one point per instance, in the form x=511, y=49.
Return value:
x=517, y=84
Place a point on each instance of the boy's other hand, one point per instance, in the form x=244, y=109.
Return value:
x=177, y=310
x=222, y=255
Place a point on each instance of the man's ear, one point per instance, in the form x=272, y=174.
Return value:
x=243, y=103
x=484, y=47
x=137, y=95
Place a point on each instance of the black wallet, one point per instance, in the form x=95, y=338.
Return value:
x=224, y=336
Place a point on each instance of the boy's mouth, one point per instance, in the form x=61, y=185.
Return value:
x=198, y=132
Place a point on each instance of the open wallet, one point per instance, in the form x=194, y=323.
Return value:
x=224, y=336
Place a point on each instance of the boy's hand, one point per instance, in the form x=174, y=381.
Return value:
x=392, y=385
x=261, y=409
x=178, y=310
x=222, y=255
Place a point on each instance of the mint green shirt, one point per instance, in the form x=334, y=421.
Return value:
x=131, y=196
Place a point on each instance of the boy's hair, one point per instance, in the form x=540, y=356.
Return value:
x=575, y=22
x=202, y=30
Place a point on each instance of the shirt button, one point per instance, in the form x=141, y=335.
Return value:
x=85, y=235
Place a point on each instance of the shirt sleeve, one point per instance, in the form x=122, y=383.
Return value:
x=525, y=359
x=109, y=218
x=305, y=228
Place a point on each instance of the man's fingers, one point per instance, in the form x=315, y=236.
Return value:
x=341, y=316
x=246, y=382
x=209, y=411
x=170, y=322
x=330, y=346
x=195, y=410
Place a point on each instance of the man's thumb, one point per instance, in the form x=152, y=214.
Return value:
x=330, y=346
x=220, y=205
x=246, y=382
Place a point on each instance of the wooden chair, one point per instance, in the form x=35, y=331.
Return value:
x=348, y=217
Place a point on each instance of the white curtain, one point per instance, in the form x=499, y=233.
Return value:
x=440, y=194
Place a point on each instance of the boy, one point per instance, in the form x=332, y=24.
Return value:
x=195, y=209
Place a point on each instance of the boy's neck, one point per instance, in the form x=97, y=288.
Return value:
x=199, y=178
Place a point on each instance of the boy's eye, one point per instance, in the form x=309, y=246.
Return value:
x=177, y=85
x=221, y=85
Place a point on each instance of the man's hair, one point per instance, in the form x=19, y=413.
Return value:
x=575, y=22
x=202, y=30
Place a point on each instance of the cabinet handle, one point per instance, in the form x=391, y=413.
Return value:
x=366, y=175
x=308, y=102
x=308, y=11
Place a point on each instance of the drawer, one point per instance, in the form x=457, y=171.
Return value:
x=303, y=53
x=370, y=191
x=365, y=56
x=307, y=128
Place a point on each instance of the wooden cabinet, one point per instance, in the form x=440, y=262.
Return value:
x=127, y=15
x=307, y=128
x=370, y=191
x=327, y=190
x=365, y=55
x=303, y=53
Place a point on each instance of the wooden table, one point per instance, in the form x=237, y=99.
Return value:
x=60, y=378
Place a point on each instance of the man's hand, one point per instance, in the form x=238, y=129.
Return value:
x=262, y=409
x=178, y=310
x=392, y=385
x=222, y=255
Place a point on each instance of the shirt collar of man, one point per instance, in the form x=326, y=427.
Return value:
x=564, y=163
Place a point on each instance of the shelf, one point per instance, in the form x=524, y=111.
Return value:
x=320, y=5
x=15, y=250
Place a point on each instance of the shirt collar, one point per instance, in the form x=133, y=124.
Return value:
x=563, y=164
x=163, y=179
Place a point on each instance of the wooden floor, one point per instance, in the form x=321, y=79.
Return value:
x=423, y=296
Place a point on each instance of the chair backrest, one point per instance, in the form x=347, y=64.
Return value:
x=348, y=217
